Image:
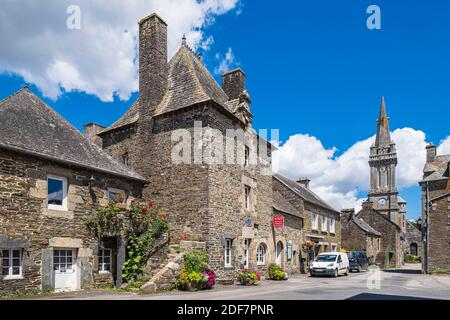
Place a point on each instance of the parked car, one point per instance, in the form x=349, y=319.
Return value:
x=358, y=261
x=330, y=263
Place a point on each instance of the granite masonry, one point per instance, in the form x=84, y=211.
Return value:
x=436, y=212
x=51, y=179
x=384, y=210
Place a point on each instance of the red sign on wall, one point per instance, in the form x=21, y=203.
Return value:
x=278, y=221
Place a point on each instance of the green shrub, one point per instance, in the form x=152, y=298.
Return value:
x=248, y=278
x=276, y=272
x=196, y=260
x=412, y=259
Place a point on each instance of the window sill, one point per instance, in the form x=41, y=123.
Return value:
x=104, y=272
x=49, y=212
x=6, y=278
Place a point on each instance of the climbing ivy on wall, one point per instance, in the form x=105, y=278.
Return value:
x=141, y=225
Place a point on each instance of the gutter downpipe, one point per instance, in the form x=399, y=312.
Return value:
x=427, y=228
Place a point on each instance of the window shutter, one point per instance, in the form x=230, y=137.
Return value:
x=48, y=279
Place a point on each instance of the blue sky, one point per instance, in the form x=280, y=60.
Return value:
x=314, y=68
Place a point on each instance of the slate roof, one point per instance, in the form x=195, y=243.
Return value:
x=189, y=83
x=306, y=194
x=281, y=204
x=437, y=169
x=30, y=126
x=365, y=227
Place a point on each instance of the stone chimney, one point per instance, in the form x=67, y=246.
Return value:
x=153, y=66
x=91, y=130
x=367, y=204
x=431, y=152
x=233, y=83
x=348, y=213
x=304, y=181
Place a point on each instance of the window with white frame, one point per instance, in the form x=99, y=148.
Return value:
x=246, y=249
x=104, y=260
x=11, y=263
x=116, y=195
x=247, y=191
x=56, y=193
x=227, y=252
x=246, y=156
x=63, y=260
x=332, y=225
x=314, y=221
x=324, y=223
x=261, y=254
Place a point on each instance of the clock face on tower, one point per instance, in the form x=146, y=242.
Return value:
x=382, y=202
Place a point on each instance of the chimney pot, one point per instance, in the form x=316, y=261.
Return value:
x=431, y=152
x=367, y=204
x=233, y=83
x=304, y=181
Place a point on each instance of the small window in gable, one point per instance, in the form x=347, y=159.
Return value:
x=125, y=159
x=116, y=195
x=57, y=193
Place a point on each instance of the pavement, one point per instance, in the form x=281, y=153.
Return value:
x=394, y=284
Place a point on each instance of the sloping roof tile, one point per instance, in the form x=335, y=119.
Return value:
x=437, y=169
x=365, y=227
x=281, y=204
x=28, y=125
x=304, y=193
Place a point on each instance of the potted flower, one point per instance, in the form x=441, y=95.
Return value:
x=248, y=278
x=276, y=272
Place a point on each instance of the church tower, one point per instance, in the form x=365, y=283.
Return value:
x=383, y=162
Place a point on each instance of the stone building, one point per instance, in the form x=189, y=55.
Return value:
x=413, y=240
x=321, y=225
x=391, y=248
x=51, y=179
x=383, y=161
x=174, y=135
x=436, y=212
x=385, y=209
x=358, y=235
x=290, y=237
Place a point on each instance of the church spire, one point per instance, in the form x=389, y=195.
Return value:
x=383, y=135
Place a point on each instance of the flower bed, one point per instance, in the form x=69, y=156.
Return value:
x=276, y=272
x=196, y=273
x=248, y=278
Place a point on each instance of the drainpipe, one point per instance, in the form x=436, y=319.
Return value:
x=427, y=228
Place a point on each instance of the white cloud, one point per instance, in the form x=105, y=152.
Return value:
x=339, y=179
x=101, y=57
x=227, y=63
x=444, y=147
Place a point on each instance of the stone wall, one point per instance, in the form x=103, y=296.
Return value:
x=25, y=218
x=354, y=238
x=439, y=229
x=413, y=238
x=391, y=250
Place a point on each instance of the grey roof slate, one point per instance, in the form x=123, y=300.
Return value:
x=189, y=83
x=304, y=193
x=30, y=126
x=281, y=204
x=365, y=227
x=437, y=169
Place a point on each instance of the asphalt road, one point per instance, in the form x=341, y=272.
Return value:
x=404, y=283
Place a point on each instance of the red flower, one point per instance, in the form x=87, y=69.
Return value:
x=144, y=210
x=150, y=204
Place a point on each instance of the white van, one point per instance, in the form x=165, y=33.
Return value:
x=330, y=263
